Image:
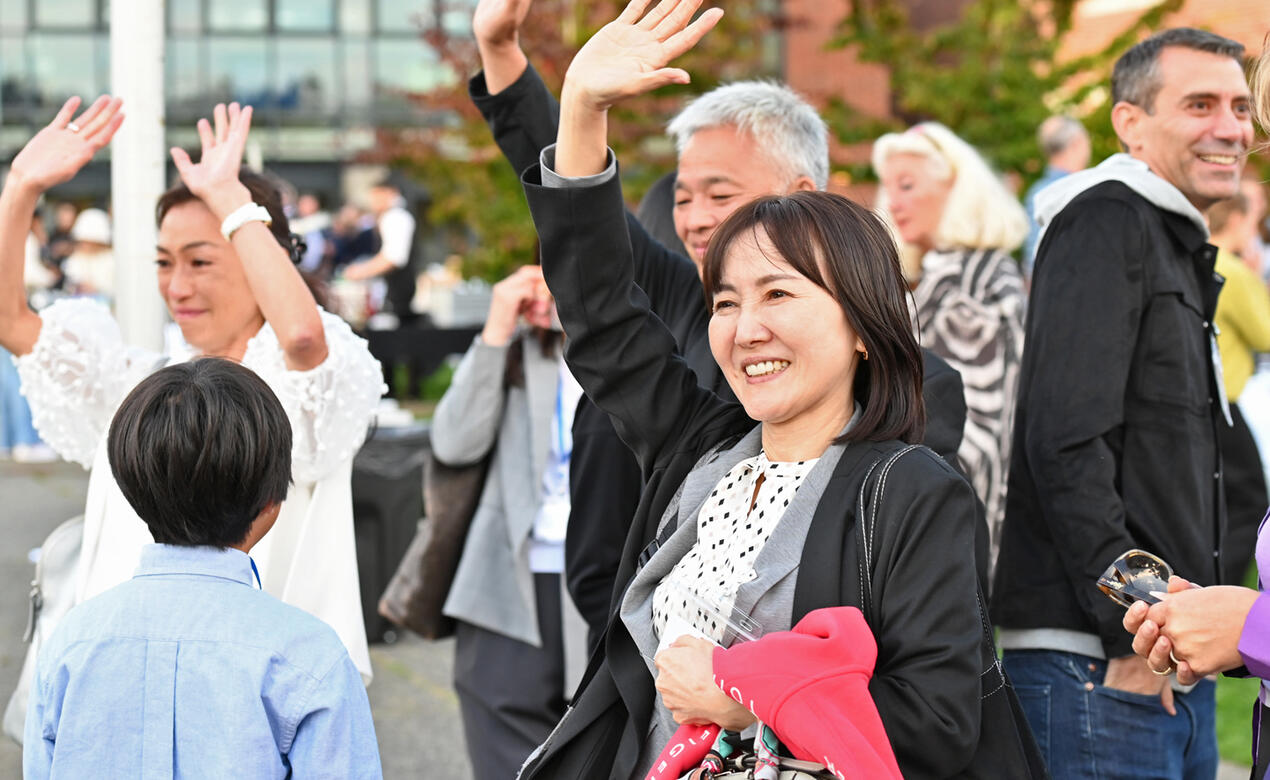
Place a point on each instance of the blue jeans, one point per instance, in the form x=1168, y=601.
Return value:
x=1091, y=732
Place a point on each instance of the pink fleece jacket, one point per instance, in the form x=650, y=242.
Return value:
x=811, y=686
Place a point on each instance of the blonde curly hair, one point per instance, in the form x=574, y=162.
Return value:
x=1261, y=87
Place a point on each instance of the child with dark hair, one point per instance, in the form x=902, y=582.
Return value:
x=189, y=669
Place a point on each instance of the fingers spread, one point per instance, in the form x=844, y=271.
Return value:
x=240, y=126
x=99, y=115
x=181, y=159
x=205, y=136
x=103, y=136
x=660, y=12
x=93, y=111
x=660, y=78
x=684, y=40
x=220, y=122
x=67, y=111
x=632, y=12
x=678, y=17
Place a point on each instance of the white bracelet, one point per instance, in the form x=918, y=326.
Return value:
x=248, y=212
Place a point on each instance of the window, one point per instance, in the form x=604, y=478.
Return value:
x=237, y=70
x=238, y=15
x=65, y=13
x=186, y=96
x=12, y=17
x=306, y=84
x=185, y=16
x=355, y=67
x=404, y=70
x=16, y=90
x=405, y=15
x=355, y=16
x=305, y=14
x=63, y=65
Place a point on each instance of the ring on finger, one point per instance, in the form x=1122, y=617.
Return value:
x=1174, y=658
x=1164, y=673
x=74, y=128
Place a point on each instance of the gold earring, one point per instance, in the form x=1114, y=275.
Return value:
x=866, y=353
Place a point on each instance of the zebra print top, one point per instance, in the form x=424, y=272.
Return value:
x=969, y=311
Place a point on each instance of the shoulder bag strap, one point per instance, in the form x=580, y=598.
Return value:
x=872, y=491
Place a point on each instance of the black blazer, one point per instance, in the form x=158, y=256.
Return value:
x=604, y=481
x=926, y=685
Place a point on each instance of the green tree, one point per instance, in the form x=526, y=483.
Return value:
x=993, y=76
x=476, y=196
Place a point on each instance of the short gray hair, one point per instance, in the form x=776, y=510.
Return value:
x=1057, y=133
x=1136, y=76
x=776, y=117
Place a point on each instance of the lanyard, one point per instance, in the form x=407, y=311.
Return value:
x=564, y=449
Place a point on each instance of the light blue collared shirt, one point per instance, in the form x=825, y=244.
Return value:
x=188, y=670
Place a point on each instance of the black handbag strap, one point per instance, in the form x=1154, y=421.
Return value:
x=872, y=490
x=1006, y=746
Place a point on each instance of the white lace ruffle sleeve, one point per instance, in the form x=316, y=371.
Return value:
x=330, y=407
x=76, y=375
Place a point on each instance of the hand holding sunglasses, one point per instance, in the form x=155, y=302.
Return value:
x=1135, y=576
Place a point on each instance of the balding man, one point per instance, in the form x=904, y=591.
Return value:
x=1065, y=144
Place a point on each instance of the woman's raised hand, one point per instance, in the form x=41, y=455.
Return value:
x=57, y=152
x=214, y=179
x=628, y=56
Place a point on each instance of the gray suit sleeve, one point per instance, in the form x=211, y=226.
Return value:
x=465, y=425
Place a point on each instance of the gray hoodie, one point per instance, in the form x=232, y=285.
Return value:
x=1129, y=171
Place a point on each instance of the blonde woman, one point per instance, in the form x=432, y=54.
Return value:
x=957, y=224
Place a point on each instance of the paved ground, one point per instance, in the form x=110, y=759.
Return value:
x=415, y=710
x=416, y=713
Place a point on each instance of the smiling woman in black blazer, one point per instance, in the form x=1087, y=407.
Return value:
x=810, y=327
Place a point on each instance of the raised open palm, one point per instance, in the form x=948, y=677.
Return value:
x=61, y=149
x=628, y=56
x=223, y=143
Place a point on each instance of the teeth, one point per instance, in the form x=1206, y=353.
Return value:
x=1219, y=159
x=766, y=367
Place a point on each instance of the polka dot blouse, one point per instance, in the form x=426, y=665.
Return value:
x=733, y=525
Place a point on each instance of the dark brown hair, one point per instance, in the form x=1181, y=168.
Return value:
x=200, y=449
x=846, y=250
x=1136, y=76
x=267, y=193
x=263, y=191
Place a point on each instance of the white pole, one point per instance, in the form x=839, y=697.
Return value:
x=137, y=165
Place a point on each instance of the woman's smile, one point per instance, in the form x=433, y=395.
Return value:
x=758, y=370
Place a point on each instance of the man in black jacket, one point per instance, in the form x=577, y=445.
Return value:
x=722, y=165
x=1119, y=401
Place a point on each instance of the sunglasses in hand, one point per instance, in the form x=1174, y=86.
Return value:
x=1136, y=575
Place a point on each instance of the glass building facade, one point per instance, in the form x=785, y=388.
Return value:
x=321, y=74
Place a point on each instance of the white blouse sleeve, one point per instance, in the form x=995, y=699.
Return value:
x=77, y=374
x=330, y=407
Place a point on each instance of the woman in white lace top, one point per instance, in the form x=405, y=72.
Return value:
x=227, y=278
